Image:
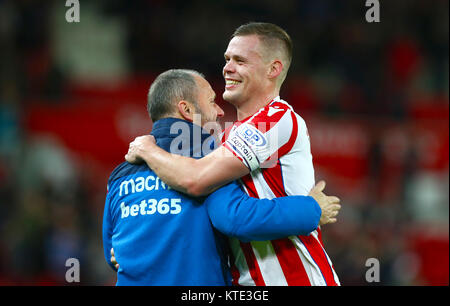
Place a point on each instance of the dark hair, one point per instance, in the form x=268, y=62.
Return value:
x=169, y=88
x=270, y=35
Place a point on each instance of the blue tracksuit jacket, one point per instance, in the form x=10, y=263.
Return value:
x=163, y=237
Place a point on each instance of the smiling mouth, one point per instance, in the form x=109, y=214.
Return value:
x=231, y=83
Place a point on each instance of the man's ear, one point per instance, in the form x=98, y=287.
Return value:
x=275, y=69
x=186, y=110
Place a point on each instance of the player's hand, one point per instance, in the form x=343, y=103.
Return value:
x=113, y=259
x=330, y=205
x=138, y=147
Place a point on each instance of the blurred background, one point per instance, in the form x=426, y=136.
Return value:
x=375, y=97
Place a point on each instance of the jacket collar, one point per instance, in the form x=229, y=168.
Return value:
x=181, y=137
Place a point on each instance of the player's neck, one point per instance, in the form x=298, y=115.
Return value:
x=250, y=107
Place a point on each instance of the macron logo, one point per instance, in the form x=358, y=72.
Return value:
x=140, y=184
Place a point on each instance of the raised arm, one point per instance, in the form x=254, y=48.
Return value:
x=192, y=176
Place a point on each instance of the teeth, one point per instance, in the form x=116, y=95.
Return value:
x=231, y=82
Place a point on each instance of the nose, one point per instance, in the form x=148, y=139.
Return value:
x=228, y=68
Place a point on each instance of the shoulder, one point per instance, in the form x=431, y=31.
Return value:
x=274, y=112
x=284, y=108
x=276, y=117
x=125, y=169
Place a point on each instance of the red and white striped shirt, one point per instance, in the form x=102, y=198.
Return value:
x=274, y=145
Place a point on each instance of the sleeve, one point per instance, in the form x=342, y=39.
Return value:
x=107, y=231
x=235, y=214
x=261, y=137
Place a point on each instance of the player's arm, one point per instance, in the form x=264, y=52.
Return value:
x=192, y=176
x=236, y=214
x=107, y=231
